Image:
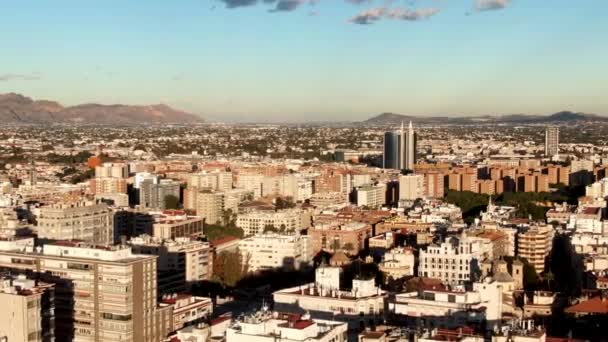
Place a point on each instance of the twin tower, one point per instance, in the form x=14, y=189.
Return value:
x=400, y=148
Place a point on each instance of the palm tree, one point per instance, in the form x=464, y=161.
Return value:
x=549, y=277
x=335, y=245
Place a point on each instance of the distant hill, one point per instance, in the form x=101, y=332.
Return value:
x=557, y=118
x=19, y=109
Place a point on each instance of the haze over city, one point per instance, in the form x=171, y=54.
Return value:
x=303, y=171
x=318, y=60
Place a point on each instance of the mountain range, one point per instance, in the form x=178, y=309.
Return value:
x=556, y=118
x=19, y=109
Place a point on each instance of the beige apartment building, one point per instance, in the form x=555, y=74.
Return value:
x=171, y=224
x=181, y=262
x=535, y=244
x=103, y=294
x=76, y=221
x=210, y=206
x=289, y=220
x=27, y=310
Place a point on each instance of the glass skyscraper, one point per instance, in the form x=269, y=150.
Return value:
x=400, y=149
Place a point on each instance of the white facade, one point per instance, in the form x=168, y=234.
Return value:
x=112, y=170
x=456, y=260
x=215, y=180
x=323, y=298
x=453, y=308
x=273, y=251
x=371, y=196
x=265, y=326
x=411, y=187
x=289, y=220
x=77, y=221
x=398, y=263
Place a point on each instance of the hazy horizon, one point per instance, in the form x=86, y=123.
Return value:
x=311, y=60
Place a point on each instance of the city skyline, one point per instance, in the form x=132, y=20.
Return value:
x=290, y=61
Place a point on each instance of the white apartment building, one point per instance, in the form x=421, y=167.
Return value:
x=172, y=224
x=107, y=293
x=212, y=180
x=251, y=182
x=447, y=308
x=455, y=261
x=76, y=221
x=118, y=199
x=295, y=186
x=265, y=326
x=153, y=195
x=274, y=251
x=289, y=220
x=398, y=262
x=114, y=170
x=325, y=298
x=598, y=189
x=187, y=309
x=372, y=196
x=587, y=220
x=411, y=187
x=361, y=180
x=210, y=206
x=141, y=177
x=181, y=262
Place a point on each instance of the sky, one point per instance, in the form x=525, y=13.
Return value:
x=311, y=60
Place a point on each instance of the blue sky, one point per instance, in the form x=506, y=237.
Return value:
x=315, y=62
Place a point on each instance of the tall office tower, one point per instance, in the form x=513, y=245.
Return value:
x=551, y=141
x=400, y=148
x=408, y=141
x=390, y=157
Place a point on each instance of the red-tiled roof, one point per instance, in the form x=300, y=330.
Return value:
x=302, y=324
x=590, y=211
x=220, y=319
x=595, y=305
x=224, y=240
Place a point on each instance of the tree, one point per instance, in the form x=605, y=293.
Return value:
x=335, y=245
x=229, y=268
x=270, y=229
x=172, y=202
x=549, y=277
x=281, y=203
x=349, y=247
x=215, y=232
x=228, y=218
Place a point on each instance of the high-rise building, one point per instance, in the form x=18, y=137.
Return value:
x=153, y=195
x=551, y=141
x=275, y=251
x=76, y=221
x=400, y=148
x=411, y=187
x=27, y=310
x=408, y=147
x=372, y=196
x=103, y=293
x=210, y=206
x=535, y=244
x=390, y=157
x=181, y=262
